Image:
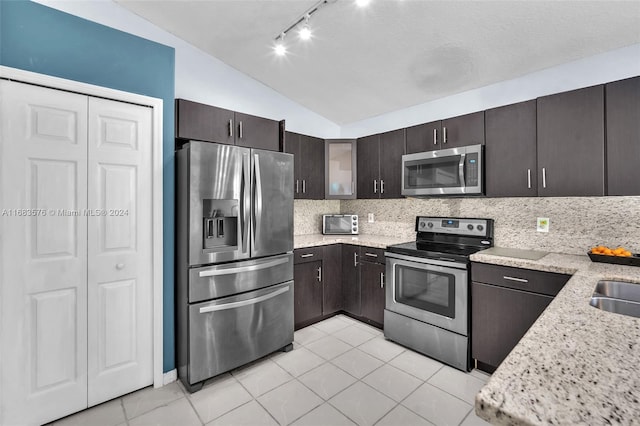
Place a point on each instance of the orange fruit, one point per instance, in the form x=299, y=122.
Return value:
x=619, y=251
x=608, y=252
x=627, y=253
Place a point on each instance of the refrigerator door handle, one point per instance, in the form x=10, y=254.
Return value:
x=245, y=206
x=233, y=305
x=236, y=270
x=257, y=200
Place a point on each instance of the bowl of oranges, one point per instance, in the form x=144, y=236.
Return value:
x=618, y=255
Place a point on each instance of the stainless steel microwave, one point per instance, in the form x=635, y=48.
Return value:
x=340, y=224
x=454, y=171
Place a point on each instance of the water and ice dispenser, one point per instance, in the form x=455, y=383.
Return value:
x=220, y=224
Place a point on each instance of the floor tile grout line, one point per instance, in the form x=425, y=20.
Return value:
x=465, y=417
x=126, y=419
x=194, y=409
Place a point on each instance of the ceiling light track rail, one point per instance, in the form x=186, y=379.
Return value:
x=304, y=18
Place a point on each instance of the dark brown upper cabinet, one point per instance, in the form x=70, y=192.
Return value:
x=204, y=122
x=570, y=149
x=510, y=152
x=379, y=165
x=212, y=124
x=623, y=136
x=308, y=165
x=450, y=133
x=257, y=132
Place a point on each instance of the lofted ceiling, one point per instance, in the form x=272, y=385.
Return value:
x=393, y=54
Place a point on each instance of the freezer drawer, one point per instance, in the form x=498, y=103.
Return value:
x=211, y=282
x=230, y=332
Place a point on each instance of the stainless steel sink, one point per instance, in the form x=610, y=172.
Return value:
x=617, y=297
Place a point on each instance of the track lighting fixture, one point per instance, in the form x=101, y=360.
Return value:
x=280, y=49
x=302, y=23
x=304, y=31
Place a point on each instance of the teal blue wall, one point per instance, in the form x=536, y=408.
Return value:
x=37, y=38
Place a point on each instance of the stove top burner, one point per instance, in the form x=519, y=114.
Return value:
x=453, y=239
x=429, y=250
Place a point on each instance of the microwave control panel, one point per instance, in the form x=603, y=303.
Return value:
x=471, y=169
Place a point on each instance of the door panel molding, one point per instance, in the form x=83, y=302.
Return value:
x=45, y=143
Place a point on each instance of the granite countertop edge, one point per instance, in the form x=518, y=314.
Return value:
x=576, y=364
x=367, y=240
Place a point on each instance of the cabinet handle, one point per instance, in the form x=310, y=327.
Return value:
x=375, y=186
x=520, y=280
x=529, y=178
x=240, y=130
x=297, y=186
x=381, y=186
x=353, y=187
x=444, y=135
x=544, y=177
x=230, y=128
x=381, y=279
x=435, y=136
x=304, y=186
x=320, y=274
x=371, y=255
x=303, y=256
x=355, y=259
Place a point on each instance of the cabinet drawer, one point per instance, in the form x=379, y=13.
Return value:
x=549, y=283
x=310, y=254
x=372, y=255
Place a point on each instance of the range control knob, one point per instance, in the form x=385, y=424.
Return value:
x=470, y=227
x=430, y=224
x=480, y=227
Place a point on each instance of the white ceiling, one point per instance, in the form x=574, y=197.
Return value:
x=394, y=53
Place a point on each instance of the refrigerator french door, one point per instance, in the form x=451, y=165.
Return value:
x=234, y=222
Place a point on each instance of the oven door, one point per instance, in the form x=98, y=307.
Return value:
x=431, y=291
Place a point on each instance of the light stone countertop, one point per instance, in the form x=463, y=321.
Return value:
x=304, y=241
x=576, y=364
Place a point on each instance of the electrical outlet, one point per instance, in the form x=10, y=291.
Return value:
x=543, y=224
x=370, y=218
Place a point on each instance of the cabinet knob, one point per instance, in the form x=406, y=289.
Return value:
x=119, y=266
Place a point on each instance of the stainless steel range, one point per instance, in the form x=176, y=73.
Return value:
x=427, y=299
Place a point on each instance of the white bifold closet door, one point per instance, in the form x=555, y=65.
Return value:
x=76, y=308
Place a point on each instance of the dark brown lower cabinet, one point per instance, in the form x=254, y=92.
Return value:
x=501, y=316
x=505, y=302
x=338, y=278
x=332, y=280
x=307, y=292
x=351, y=279
x=372, y=291
x=317, y=284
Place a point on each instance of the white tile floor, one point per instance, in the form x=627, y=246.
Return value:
x=341, y=372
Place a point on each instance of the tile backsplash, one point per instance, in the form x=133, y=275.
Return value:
x=576, y=223
x=307, y=215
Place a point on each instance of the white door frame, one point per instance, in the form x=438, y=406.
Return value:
x=156, y=203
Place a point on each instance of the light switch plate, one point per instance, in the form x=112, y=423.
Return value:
x=543, y=224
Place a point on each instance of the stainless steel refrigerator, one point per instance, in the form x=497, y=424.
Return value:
x=234, y=257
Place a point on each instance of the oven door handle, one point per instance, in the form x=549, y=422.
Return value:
x=234, y=305
x=424, y=261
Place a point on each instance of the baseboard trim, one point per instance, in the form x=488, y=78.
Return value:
x=169, y=377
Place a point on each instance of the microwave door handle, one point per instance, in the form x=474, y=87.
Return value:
x=461, y=169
